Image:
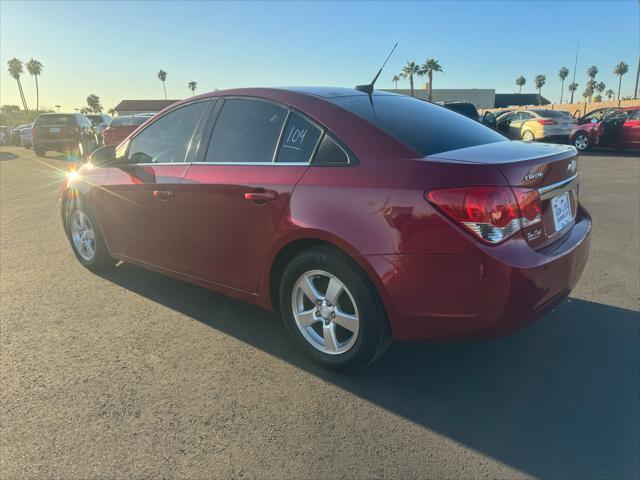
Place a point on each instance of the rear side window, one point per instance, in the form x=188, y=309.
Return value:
x=330, y=152
x=299, y=140
x=634, y=115
x=466, y=109
x=425, y=127
x=246, y=131
x=45, y=120
x=167, y=139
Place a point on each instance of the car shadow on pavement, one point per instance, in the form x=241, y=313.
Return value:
x=558, y=399
x=7, y=156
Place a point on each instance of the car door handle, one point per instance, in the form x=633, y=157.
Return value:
x=261, y=196
x=163, y=194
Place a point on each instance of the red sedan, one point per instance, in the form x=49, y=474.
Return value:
x=121, y=127
x=359, y=218
x=617, y=127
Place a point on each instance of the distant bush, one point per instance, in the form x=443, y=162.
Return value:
x=11, y=115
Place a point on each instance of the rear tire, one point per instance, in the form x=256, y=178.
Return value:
x=528, y=136
x=350, y=333
x=86, y=238
x=40, y=152
x=581, y=142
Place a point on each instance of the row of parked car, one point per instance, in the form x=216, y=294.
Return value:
x=75, y=134
x=617, y=127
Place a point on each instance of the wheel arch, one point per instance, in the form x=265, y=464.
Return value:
x=288, y=250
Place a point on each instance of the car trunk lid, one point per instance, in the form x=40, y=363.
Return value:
x=551, y=170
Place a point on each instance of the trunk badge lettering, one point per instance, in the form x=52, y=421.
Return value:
x=572, y=166
x=532, y=176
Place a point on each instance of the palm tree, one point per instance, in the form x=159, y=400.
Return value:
x=396, y=79
x=15, y=70
x=620, y=70
x=572, y=88
x=112, y=112
x=520, y=82
x=408, y=71
x=610, y=94
x=162, y=75
x=592, y=71
x=540, y=80
x=192, y=86
x=562, y=74
x=600, y=87
x=591, y=88
x=428, y=67
x=34, y=67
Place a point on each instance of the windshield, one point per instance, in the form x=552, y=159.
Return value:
x=424, y=126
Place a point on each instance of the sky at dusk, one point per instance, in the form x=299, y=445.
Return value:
x=115, y=49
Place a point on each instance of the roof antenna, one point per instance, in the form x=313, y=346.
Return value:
x=368, y=89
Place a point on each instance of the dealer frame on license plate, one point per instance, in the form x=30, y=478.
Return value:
x=561, y=209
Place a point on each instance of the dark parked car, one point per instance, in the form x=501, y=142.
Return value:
x=121, y=127
x=608, y=127
x=70, y=133
x=469, y=110
x=359, y=218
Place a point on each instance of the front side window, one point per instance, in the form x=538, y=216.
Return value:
x=167, y=139
x=299, y=140
x=246, y=131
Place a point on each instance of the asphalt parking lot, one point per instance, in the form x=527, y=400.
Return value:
x=132, y=374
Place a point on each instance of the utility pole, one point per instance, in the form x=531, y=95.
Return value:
x=575, y=65
x=635, y=92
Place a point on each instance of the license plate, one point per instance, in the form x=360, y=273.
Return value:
x=565, y=125
x=54, y=130
x=561, y=207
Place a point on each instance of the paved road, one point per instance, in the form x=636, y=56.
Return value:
x=136, y=375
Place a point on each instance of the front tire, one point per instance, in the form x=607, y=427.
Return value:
x=86, y=238
x=581, y=142
x=332, y=311
x=40, y=152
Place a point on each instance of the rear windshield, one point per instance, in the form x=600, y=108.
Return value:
x=466, y=109
x=127, y=121
x=424, y=126
x=54, y=119
x=550, y=113
x=95, y=119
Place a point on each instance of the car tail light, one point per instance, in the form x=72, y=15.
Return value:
x=547, y=122
x=493, y=214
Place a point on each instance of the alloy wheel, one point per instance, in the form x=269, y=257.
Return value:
x=581, y=142
x=325, y=312
x=83, y=236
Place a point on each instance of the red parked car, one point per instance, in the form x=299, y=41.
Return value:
x=617, y=127
x=360, y=218
x=121, y=127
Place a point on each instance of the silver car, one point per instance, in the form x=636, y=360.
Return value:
x=536, y=124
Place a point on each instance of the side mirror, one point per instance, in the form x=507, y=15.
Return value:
x=103, y=156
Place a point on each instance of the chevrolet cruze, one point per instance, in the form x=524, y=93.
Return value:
x=360, y=217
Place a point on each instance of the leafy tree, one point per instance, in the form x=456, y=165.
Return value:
x=34, y=67
x=520, y=82
x=572, y=88
x=540, y=80
x=396, y=79
x=15, y=70
x=620, y=70
x=597, y=98
x=192, y=86
x=85, y=110
x=563, y=73
x=610, y=94
x=112, y=112
x=430, y=66
x=600, y=87
x=93, y=102
x=410, y=70
x=162, y=75
x=9, y=108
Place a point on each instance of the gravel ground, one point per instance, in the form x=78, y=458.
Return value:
x=135, y=375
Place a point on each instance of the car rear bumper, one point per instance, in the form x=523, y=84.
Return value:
x=55, y=144
x=482, y=292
